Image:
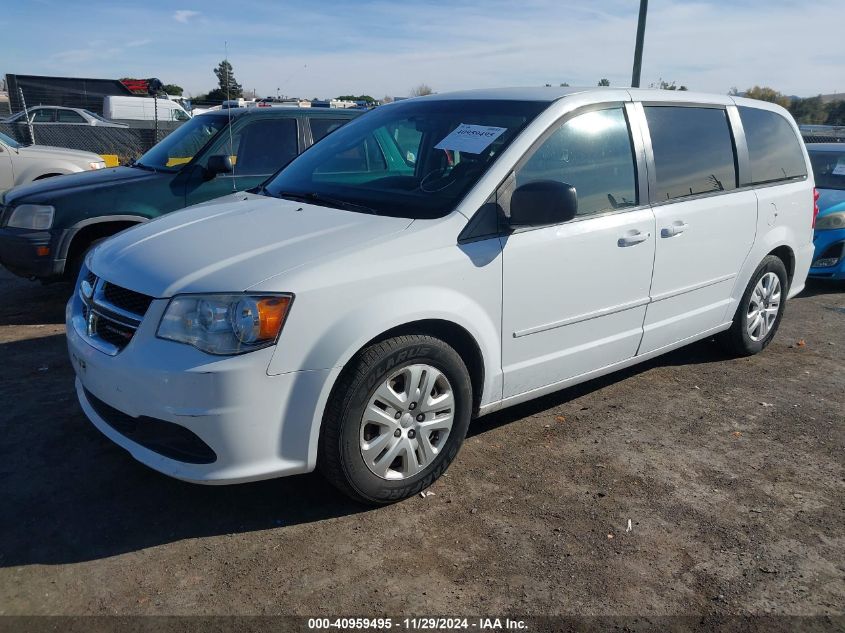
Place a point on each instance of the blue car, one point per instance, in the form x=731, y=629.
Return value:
x=828, y=161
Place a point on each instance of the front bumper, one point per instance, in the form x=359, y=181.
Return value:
x=19, y=253
x=255, y=426
x=829, y=245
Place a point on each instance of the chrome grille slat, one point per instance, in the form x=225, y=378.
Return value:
x=106, y=325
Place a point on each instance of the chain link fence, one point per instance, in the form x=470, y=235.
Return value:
x=125, y=143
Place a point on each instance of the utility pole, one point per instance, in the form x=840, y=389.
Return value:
x=638, y=51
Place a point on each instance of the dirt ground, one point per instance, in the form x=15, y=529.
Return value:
x=729, y=470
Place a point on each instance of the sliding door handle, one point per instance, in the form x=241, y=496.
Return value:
x=676, y=229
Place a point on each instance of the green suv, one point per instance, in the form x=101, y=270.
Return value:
x=47, y=227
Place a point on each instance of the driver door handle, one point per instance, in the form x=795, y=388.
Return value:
x=631, y=238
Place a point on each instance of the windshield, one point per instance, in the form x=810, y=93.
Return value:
x=414, y=159
x=828, y=169
x=9, y=141
x=181, y=145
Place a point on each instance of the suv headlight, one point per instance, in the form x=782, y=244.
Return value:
x=831, y=221
x=100, y=164
x=225, y=324
x=31, y=216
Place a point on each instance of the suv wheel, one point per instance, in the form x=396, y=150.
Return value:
x=396, y=419
x=760, y=310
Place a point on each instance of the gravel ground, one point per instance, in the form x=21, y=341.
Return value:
x=730, y=472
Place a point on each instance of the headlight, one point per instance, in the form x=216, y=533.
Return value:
x=831, y=221
x=97, y=165
x=31, y=216
x=225, y=324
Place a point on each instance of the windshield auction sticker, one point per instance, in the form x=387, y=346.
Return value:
x=472, y=139
x=839, y=170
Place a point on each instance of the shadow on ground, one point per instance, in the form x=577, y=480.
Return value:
x=72, y=495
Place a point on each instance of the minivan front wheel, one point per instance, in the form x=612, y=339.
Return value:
x=760, y=310
x=396, y=419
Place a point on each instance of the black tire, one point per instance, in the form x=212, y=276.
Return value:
x=340, y=459
x=75, y=265
x=737, y=340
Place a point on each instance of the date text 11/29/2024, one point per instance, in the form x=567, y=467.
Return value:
x=417, y=624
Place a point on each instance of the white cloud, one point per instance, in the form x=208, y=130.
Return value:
x=184, y=15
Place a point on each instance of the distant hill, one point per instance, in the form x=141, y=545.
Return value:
x=835, y=96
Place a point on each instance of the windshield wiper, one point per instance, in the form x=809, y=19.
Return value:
x=142, y=166
x=326, y=201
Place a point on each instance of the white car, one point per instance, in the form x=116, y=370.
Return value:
x=432, y=261
x=59, y=115
x=23, y=164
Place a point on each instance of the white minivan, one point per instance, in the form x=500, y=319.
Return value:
x=432, y=261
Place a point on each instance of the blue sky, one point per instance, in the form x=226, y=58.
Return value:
x=325, y=48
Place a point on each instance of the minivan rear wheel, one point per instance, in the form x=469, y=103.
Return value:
x=396, y=419
x=760, y=310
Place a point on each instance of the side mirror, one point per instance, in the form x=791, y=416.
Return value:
x=543, y=202
x=218, y=164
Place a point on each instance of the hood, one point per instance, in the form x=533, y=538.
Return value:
x=87, y=181
x=232, y=245
x=831, y=201
x=45, y=151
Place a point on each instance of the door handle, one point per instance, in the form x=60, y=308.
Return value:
x=676, y=229
x=632, y=237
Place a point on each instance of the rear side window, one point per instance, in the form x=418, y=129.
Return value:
x=593, y=153
x=773, y=147
x=264, y=146
x=693, y=151
x=69, y=116
x=321, y=127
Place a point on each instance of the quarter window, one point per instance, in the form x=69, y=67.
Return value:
x=693, y=151
x=773, y=147
x=593, y=153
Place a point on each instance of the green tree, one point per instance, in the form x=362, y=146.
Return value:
x=667, y=85
x=421, y=90
x=604, y=82
x=764, y=93
x=173, y=89
x=836, y=113
x=228, y=87
x=366, y=98
x=811, y=110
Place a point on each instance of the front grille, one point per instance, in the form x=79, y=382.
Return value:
x=125, y=299
x=165, y=438
x=108, y=314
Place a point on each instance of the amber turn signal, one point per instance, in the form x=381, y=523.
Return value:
x=271, y=315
